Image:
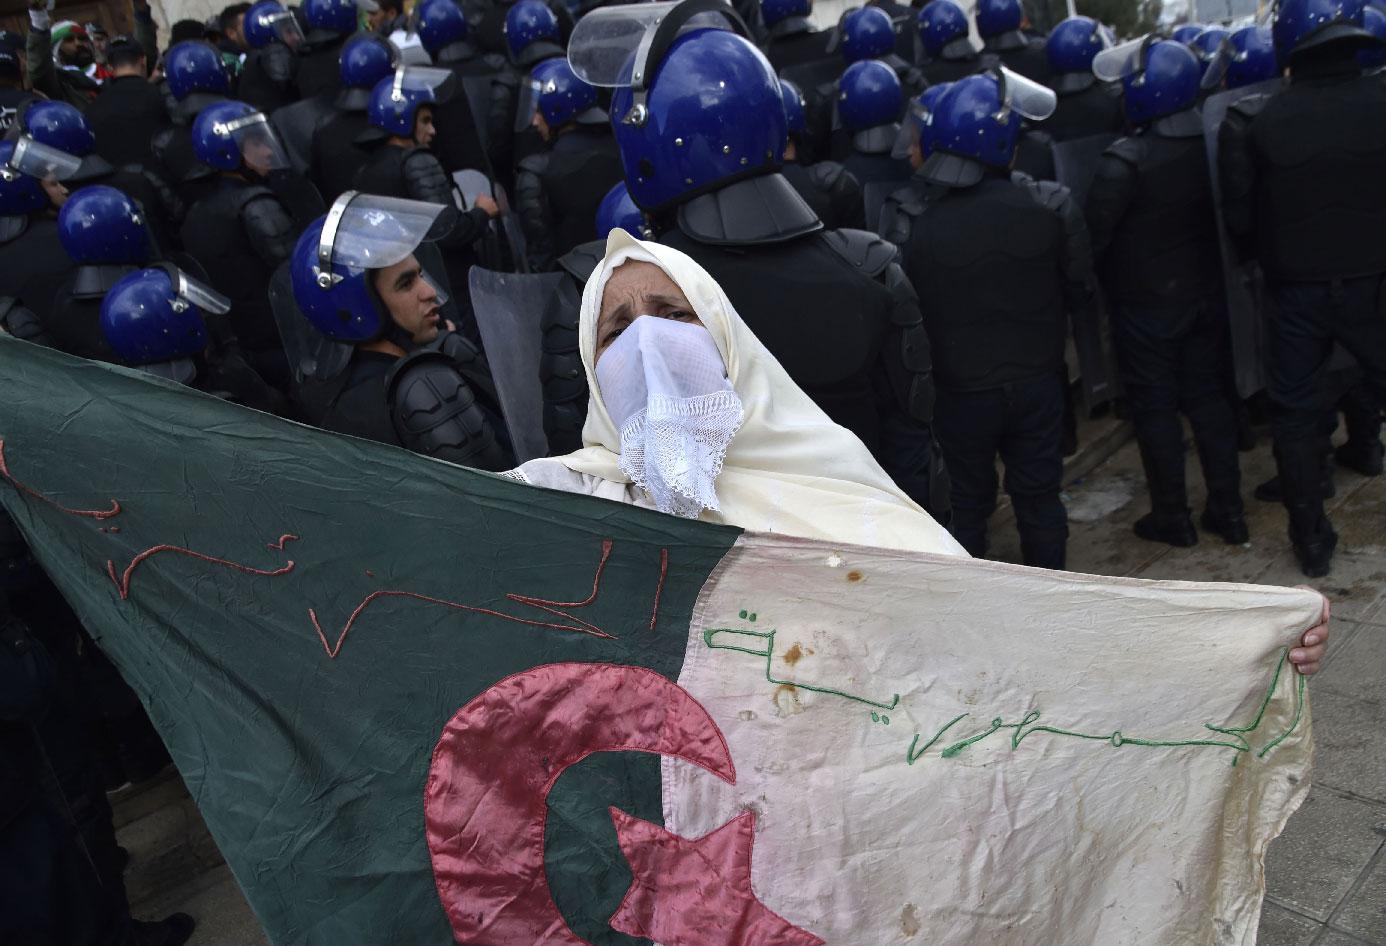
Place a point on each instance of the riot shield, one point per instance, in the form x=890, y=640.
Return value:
x=295, y=124
x=312, y=355
x=509, y=308
x=477, y=90
x=1247, y=297
x=431, y=259
x=504, y=247
x=1075, y=163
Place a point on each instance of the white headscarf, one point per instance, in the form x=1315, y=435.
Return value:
x=789, y=469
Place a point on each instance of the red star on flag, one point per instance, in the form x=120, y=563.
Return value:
x=697, y=892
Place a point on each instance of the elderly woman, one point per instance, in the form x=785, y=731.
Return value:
x=691, y=415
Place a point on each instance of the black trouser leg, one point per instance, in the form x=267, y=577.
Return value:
x=1032, y=449
x=969, y=427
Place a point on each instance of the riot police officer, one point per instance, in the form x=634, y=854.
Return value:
x=195, y=77
x=558, y=190
x=948, y=53
x=330, y=22
x=1301, y=183
x=401, y=110
x=999, y=25
x=830, y=189
x=1252, y=57
x=399, y=375
x=337, y=152
x=999, y=262
x=154, y=319
x=870, y=104
x=702, y=136
x=241, y=231
x=267, y=77
x=479, y=138
x=1154, y=233
x=1086, y=107
x=1206, y=46
x=791, y=38
x=31, y=256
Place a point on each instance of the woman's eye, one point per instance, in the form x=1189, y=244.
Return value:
x=680, y=315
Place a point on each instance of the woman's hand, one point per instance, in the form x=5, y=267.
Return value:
x=1312, y=646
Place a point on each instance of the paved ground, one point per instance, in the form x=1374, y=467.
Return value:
x=1326, y=876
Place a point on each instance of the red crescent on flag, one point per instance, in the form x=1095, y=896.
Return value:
x=486, y=800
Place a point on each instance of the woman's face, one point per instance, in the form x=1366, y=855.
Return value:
x=636, y=289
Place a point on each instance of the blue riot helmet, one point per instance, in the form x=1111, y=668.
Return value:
x=268, y=22
x=1207, y=46
x=866, y=33
x=229, y=135
x=976, y=124
x=395, y=100
x=1186, y=33
x=532, y=33
x=333, y=259
x=440, y=24
x=1302, y=25
x=332, y=16
x=796, y=122
x=62, y=127
x=1248, y=56
x=562, y=97
x=1374, y=22
x=99, y=224
x=194, y=66
x=995, y=17
x=918, y=126
x=696, y=104
x=618, y=212
x=1158, y=77
x=23, y=164
x=869, y=95
x=153, y=317
x=368, y=57
x=774, y=11
x=940, y=23
x=1070, y=48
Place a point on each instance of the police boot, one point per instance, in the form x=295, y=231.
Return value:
x=1168, y=520
x=1362, y=418
x=1313, y=538
x=172, y=930
x=1214, y=427
x=1363, y=456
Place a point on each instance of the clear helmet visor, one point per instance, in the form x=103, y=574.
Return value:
x=260, y=147
x=916, y=119
x=286, y=27
x=1217, y=65
x=1026, y=96
x=366, y=231
x=189, y=292
x=434, y=83
x=608, y=42
x=1118, y=62
x=39, y=160
x=432, y=283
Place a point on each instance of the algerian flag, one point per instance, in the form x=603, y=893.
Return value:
x=416, y=702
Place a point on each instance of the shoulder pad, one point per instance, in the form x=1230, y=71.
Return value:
x=495, y=61
x=826, y=173
x=1050, y=194
x=21, y=322
x=435, y=411
x=279, y=63
x=582, y=261
x=1129, y=149
x=1250, y=106
x=535, y=163
x=864, y=251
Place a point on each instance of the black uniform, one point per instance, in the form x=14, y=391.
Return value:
x=793, y=41
x=437, y=400
x=174, y=158
x=319, y=72
x=74, y=324
x=1303, y=190
x=476, y=125
x=997, y=265
x=1154, y=233
x=831, y=190
x=557, y=191
x=836, y=311
x=867, y=157
x=13, y=100
x=127, y=114
x=1085, y=108
x=957, y=60
x=32, y=261
x=239, y=234
x=1020, y=53
x=561, y=374
x=269, y=78
x=336, y=152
